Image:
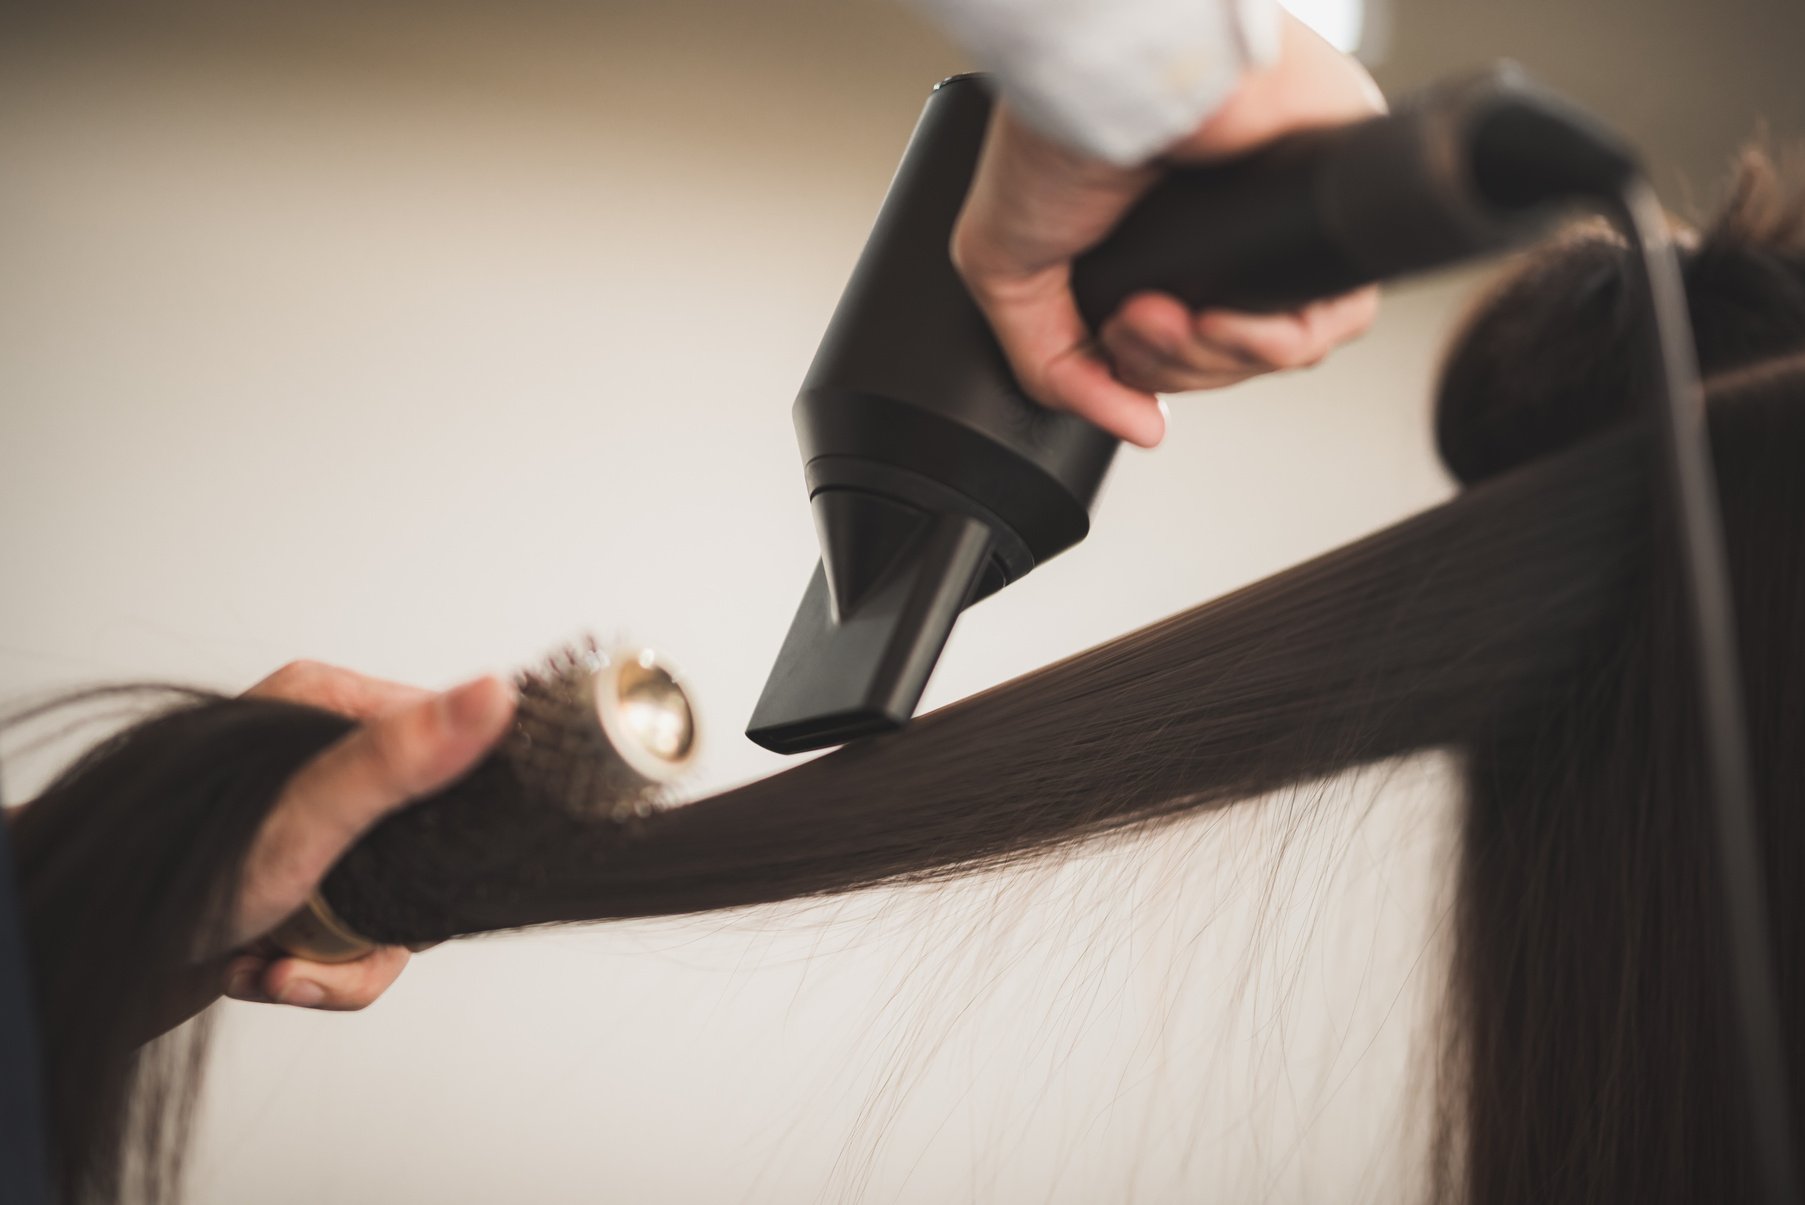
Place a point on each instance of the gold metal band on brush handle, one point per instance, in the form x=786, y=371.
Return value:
x=316, y=932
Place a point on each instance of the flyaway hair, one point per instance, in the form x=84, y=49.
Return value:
x=1533, y=624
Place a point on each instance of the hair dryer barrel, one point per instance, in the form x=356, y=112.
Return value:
x=935, y=480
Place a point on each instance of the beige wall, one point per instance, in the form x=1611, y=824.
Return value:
x=1688, y=81
x=422, y=337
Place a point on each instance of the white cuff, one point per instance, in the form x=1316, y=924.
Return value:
x=1118, y=79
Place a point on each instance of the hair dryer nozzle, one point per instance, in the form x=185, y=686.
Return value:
x=857, y=670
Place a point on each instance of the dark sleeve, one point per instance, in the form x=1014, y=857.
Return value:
x=23, y=1179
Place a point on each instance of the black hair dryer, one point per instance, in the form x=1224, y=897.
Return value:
x=934, y=480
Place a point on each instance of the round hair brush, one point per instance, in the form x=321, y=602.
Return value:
x=597, y=739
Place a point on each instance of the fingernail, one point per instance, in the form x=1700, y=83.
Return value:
x=471, y=705
x=242, y=984
x=302, y=993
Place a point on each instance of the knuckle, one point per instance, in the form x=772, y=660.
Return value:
x=1153, y=379
x=990, y=280
x=963, y=252
x=393, y=752
x=1259, y=358
x=1135, y=378
x=296, y=677
x=1294, y=356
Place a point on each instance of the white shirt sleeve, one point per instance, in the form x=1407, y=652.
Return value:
x=1119, y=79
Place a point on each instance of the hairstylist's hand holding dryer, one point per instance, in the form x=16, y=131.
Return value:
x=1035, y=204
x=411, y=743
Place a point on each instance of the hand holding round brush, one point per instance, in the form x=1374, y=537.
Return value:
x=411, y=743
x=341, y=875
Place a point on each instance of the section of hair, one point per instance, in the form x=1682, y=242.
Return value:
x=1592, y=1052
x=128, y=863
x=1407, y=639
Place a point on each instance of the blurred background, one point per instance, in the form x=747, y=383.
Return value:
x=422, y=337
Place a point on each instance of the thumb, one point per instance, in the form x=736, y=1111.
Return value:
x=1054, y=358
x=1032, y=206
x=333, y=800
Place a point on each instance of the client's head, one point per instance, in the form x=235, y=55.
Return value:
x=1551, y=357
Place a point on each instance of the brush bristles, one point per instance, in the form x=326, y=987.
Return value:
x=558, y=748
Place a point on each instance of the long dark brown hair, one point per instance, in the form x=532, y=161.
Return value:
x=1532, y=624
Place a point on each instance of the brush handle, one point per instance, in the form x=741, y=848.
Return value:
x=394, y=884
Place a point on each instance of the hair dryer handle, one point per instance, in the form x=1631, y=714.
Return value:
x=1457, y=171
